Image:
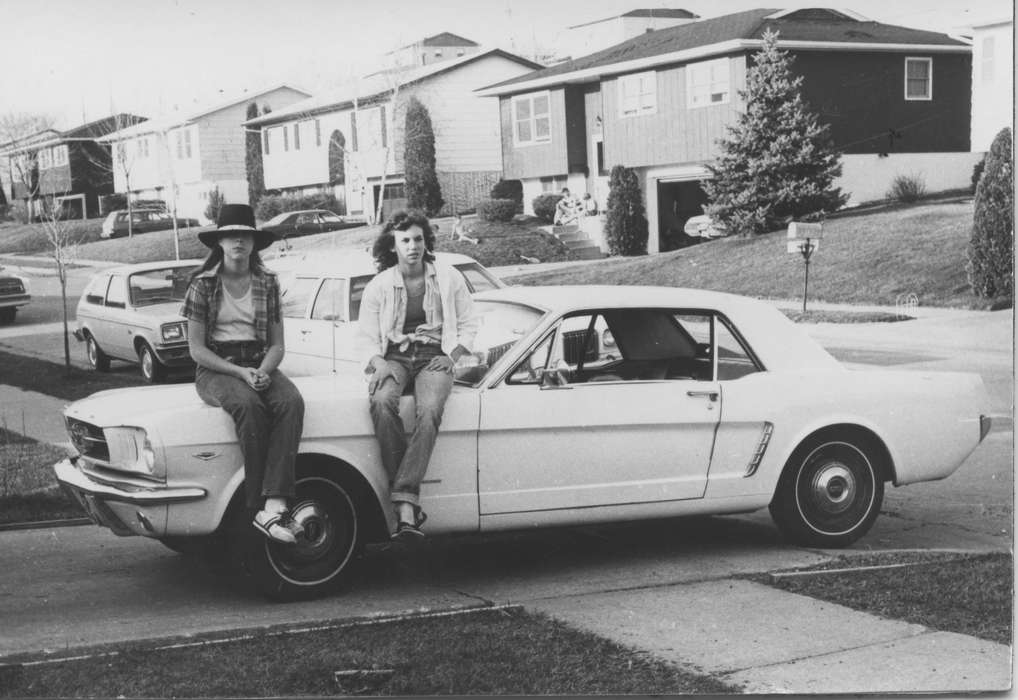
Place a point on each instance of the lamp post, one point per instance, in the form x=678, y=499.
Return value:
x=804, y=239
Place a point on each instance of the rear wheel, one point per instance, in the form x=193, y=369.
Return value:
x=829, y=494
x=322, y=555
x=152, y=370
x=97, y=359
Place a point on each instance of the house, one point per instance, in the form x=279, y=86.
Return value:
x=992, y=79
x=181, y=157
x=583, y=39
x=433, y=49
x=346, y=142
x=70, y=169
x=896, y=99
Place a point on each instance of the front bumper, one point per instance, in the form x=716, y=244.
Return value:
x=127, y=506
x=175, y=355
x=15, y=300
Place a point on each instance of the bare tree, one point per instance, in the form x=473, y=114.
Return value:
x=63, y=238
x=122, y=158
x=21, y=166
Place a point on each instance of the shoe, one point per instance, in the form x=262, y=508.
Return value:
x=276, y=526
x=408, y=532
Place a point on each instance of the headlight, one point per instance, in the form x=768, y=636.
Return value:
x=24, y=283
x=130, y=450
x=173, y=331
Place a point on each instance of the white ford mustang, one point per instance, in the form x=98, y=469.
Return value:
x=579, y=405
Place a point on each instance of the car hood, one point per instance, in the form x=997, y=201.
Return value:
x=161, y=313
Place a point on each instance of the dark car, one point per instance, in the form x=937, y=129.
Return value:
x=142, y=221
x=307, y=222
x=13, y=293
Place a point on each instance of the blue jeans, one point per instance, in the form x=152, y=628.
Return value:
x=406, y=461
x=269, y=425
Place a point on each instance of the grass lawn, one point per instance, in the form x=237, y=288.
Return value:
x=864, y=258
x=54, y=379
x=28, y=487
x=967, y=594
x=489, y=652
x=31, y=238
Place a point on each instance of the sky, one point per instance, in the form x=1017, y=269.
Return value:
x=79, y=60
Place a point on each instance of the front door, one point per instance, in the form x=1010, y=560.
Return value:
x=605, y=411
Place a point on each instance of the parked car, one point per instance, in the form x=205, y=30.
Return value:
x=142, y=221
x=132, y=313
x=306, y=222
x=710, y=404
x=13, y=294
x=321, y=295
x=702, y=226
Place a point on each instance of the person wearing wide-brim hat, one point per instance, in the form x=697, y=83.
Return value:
x=235, y=335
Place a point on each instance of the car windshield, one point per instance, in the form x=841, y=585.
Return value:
x=333, y=218
x=168, y=284
x=502, y=325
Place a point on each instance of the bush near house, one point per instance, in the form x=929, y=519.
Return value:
x=216, y=202
x=977, y=172
x=422, y=188
x=544, y=206
x=271, y=205
x=991, y=248
x=496, y=209
x=625, y=224
x=907, y=188
x=509, y=189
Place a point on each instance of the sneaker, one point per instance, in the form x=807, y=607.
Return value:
x=278, y=527
x=409, y=532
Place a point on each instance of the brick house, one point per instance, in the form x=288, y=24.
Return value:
x=896, y=99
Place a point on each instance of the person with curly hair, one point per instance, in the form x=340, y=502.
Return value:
x=416, y=320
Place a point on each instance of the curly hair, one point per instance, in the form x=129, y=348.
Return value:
x=383, y=249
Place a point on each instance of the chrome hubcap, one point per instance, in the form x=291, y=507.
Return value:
x=833, y=488
x=146, y=363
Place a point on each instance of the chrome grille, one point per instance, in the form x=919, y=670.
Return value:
x=11, y=285
x=88, y=440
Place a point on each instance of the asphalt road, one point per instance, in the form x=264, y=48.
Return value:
x=63, y=587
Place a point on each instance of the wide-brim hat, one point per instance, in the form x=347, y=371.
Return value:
x=237, y=217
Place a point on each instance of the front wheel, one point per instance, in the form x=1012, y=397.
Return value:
x=152, y=370
x=829, y=494
x=8, y=314
x=316, y=564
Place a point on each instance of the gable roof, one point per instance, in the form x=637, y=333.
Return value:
x=650, y=14
x=90, y=131
x=182, y=118
x=740, y=31
x=376, y=85
x=447, y=39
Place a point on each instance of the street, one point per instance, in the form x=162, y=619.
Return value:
x=70, y=586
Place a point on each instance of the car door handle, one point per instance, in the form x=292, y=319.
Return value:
x=305, y=331
x=710, y=395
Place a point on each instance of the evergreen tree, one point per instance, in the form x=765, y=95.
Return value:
x=777, y=162
x=253, y=159
x=422, y=188
x=625, y=222
x=991, y=248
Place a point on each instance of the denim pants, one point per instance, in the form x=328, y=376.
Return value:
x=406, y=461
x=269, y=425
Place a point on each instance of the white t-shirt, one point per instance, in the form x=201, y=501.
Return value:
x=236, y=319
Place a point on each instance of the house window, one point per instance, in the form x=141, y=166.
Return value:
x=187, y=143
x=318, y=132
x=438, y=53
x=531, y=118
x=265, y=141
x=918, y=78
x=553, y=184
x=286, y=139
x=45, y=158
x=709, y=83
x=988, y=50
x=296, y=137
x=638, y=94
x=145, y=147
x=60, y=155
x=601, y=170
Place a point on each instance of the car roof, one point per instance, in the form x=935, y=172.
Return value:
x=348, y=262
x=780, y=343
x=284, y=214
x=155, y=265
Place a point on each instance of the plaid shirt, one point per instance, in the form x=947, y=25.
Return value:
x=201, y=303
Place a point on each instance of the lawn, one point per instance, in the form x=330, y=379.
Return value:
x=865, y=258
x=28, y=488
x=34, y=374
x=488, y=652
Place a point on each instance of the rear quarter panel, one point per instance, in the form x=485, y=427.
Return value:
x=928, y=421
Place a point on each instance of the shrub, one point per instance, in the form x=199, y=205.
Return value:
x=907, y=188
x=625, y=224
x=496, y=209
x=977, y=172
x=269, y=205
x=991, y=248
x=509, y=189
x=544, y=206
x=422, y=188
x=216, y=202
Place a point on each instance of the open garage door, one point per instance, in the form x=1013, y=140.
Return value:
x=677, y=201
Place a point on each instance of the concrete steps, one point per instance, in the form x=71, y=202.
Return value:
x=577, y=241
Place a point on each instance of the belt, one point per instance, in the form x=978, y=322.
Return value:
x=244, y=353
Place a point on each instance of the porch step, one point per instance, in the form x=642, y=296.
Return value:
x=590, y=252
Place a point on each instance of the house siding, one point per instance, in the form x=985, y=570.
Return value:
x=862, y=97
x=541, y=159
x=673, y=133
